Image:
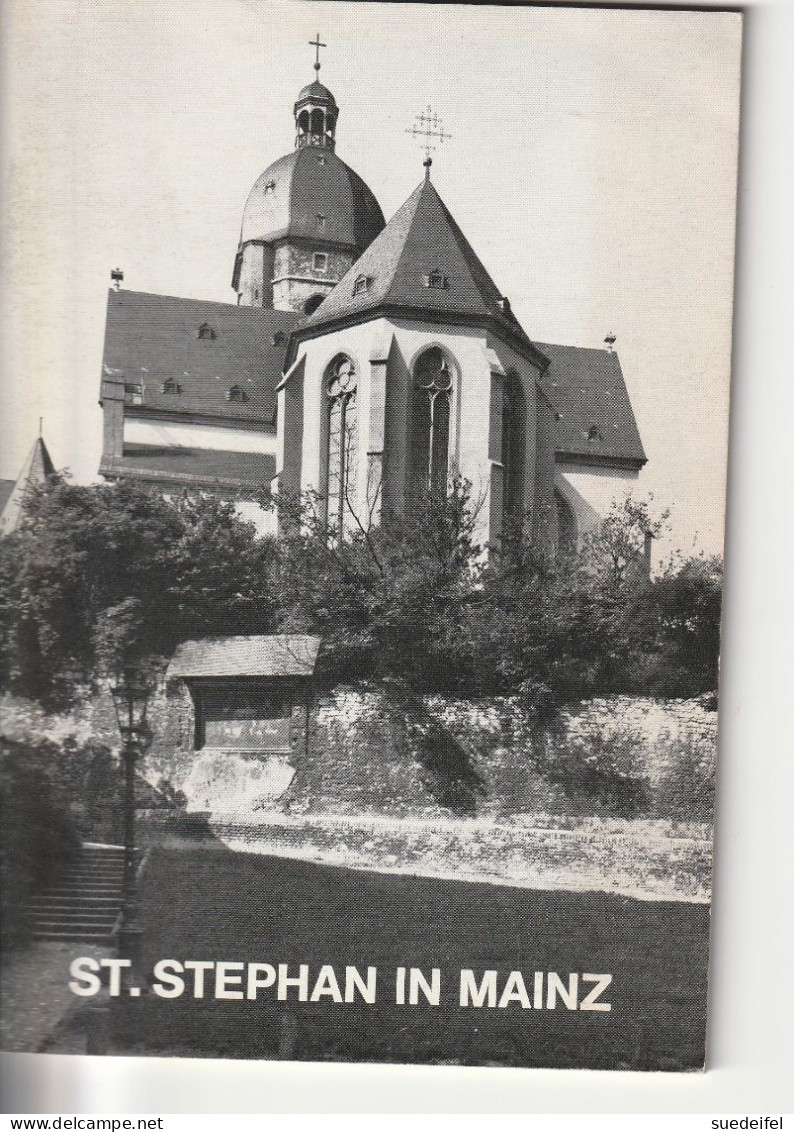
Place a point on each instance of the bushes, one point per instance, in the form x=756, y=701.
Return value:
x=414, y=599
x=184, y=567
x=38, y=833
x=593, y=764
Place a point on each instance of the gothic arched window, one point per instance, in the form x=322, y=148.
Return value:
x=342, y=449
x=566, y=526
x=512, y=446
x=431, y=403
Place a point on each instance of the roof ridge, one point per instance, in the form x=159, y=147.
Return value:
x=269, y=311
x=464, y=245
x=417, y=193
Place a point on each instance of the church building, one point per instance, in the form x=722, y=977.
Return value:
x=364, y=362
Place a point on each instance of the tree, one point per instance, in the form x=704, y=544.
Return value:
x=687, y=603
x=170, y=569
x=613, y=551
x=386, y=599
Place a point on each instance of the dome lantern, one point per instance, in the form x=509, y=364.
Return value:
x=308, y=217
x=316, y=113
x=316, y=110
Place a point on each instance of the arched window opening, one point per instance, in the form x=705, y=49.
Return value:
x=566, y=526
x=513, y=445
x=312, y=303
x=430, y=420
x=303, y=121
x=318, y=123
x=342, y=453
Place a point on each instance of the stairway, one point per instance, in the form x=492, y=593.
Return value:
x=85, y=902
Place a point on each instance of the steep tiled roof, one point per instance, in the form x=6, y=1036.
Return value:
x=245, y=656
x=36, y=470
x=151, y=339
x=6, y=487
x=595, y=420
x=201, y=467
x=422, y=263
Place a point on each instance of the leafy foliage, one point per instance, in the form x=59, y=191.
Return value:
x=103, y=573
x=38, y=832
x=101, y=570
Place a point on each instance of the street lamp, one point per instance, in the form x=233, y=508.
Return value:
x=130, y=699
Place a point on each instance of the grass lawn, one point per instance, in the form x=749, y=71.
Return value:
x=208, y=903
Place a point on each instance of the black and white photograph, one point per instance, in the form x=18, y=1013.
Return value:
x=363, y=514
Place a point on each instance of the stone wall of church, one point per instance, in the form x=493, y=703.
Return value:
x=256, y=272
x=479, y=365
x=296, y=278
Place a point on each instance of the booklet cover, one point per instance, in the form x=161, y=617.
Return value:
x=360, y=647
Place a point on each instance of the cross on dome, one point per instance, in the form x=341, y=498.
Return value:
x=317, y=45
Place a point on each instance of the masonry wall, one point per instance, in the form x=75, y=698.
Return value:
x=383, y=751
x=295, y=278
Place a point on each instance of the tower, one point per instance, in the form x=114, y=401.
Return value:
x=308, y=217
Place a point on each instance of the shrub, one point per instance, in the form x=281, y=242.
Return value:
x=38, y=834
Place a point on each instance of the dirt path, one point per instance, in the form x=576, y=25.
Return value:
x=34, y=986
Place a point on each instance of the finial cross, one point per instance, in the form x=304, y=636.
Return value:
x=315, y=43
x=429, y=129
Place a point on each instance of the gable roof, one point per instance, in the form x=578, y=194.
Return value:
x=594, y=418
x=38, y=467
x=151, y=339
x=245, y=656
x=420, y=239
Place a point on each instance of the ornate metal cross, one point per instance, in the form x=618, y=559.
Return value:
x=429, y=129
x=317, y=45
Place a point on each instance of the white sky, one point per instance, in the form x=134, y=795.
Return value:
x=592, y=167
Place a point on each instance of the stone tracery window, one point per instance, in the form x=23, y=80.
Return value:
x=342, y=451
x=512, y=445
x=431, y=405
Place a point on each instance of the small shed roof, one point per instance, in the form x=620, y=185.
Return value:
x=245, y=656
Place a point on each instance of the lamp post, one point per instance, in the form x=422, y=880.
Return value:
x=130, y=699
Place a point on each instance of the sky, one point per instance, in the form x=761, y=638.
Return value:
x=592, y=166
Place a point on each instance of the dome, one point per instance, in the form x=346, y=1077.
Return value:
x=316, y=92
x=311, y=193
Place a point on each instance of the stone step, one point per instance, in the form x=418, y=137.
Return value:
x=70, y=901
x=100, y=878
x=67, y=915
x=73, y=899
x=85, y=901
x=67, y=885
x=88, y=936
x=92, y=870
x=80, y=882
x=104, y=928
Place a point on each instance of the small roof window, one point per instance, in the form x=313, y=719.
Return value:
x=362, y=284
x=205, y=331
x=436, y=279
x=236, y=393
